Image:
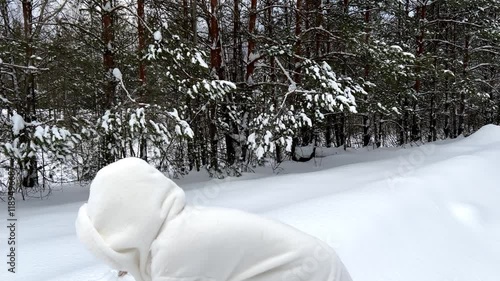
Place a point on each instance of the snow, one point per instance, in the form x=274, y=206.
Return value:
x=306, y=119
x=397, y=48
x=447, y=71
x=395, y=109
x=426, y=212
x=174, y=114
x=251, y=140
x=487, y=135
x=2, y=99
x=107, y=7
x=178, y=130
x=40, y=133
x=253, y=56
x=56, y=134
x=105, y=120
x=267, y=137
x=259, y=152
x=117, y=74
x=18, y=123
x=289, y=143
x=410, y=55
x=200, y=60
x=187, y=129
x=157, y=35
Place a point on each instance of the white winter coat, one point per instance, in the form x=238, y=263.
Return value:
x=136, y=220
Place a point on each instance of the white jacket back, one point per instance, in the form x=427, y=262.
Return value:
x=136, y=220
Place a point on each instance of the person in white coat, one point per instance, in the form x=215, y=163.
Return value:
x=137, y=220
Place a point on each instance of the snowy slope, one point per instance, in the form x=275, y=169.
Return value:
x=424, y=213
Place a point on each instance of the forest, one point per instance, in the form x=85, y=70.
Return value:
x=224, y=86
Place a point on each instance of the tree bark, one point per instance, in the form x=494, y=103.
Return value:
x=142, y=43
x=108, y=56
x=461, y=102
x=194, y=20
x=109, y=80
x=216, y=67
x=366, y=118
x=29, y=165
x=415, y=129
x=251, y=41
x=298, y=43
x=143, y=143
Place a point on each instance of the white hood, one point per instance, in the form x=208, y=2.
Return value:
x=129, y=202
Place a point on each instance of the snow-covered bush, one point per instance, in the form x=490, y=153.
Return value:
x=29, y=146
x=186, y=79
x=125, y=130
x=303, y=106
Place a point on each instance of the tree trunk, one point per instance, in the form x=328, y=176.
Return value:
x=377, y=130
x=415, y=129
x=298, y=43
x=328, y=131
x=233, y=146
x=446, y=124
x=194, y=20
x=142, y=42
x=272, y=75
x=216, y=66
x=29, y=165
x=143, y=144
x=340, y=129
x=236, y=42
x=109, y=80
x=461, y=103
x=404, y=120
x=186, y=23
x=251, y=42
x=432, y=121
x=108, y=56
x=366, y=118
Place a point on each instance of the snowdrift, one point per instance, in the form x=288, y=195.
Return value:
x=486, y=135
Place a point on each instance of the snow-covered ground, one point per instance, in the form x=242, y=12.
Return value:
x=424, y=213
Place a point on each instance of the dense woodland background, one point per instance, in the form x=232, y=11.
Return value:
x=225, y=85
